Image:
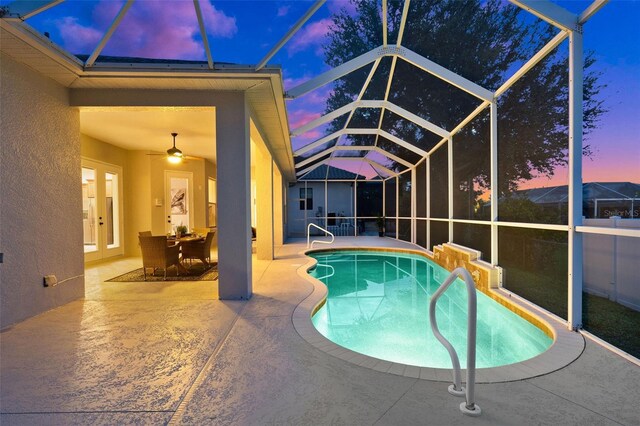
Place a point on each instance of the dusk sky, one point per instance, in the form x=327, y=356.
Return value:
x=244, y=31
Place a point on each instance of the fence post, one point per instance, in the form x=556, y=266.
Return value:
x=613, y=294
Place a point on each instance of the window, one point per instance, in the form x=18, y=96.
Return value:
x=306, y=199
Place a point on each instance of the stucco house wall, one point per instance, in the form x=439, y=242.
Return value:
x=40, y=194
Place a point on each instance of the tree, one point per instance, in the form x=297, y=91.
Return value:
x=483, y=42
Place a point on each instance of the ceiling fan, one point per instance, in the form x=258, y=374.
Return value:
x=174, y=154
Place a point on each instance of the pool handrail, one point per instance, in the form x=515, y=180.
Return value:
x=333, y=271
x=469, y=407
x=318, y=241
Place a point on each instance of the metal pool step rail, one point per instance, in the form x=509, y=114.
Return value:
x=318, y=241
x=329, y=275
x=469, y=407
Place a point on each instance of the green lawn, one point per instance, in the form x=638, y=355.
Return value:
x=608, y=320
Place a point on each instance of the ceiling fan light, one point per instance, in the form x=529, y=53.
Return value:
x=174, y=152
x=173, y=159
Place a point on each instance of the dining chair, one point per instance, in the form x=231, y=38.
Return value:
x=156, y=254
x=200, y=250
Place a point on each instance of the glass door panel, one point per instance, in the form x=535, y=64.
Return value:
x=101, y=210
x=179, y=193
x=112, y=221
x=89, y=210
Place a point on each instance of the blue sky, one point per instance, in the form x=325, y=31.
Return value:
x=244, y=31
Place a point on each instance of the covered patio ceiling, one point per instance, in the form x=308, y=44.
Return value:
x=361, y=142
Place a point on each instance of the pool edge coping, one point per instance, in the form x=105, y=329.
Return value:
x=567, y=346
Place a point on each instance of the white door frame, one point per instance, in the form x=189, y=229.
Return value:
x=168, y=174
x=103, y=251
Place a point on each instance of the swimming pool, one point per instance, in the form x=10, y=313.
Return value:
x=378, y=305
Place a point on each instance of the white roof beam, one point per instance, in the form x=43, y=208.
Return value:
x=317, y=143
x=336, y=73
x=535, y=59
x=311, y=168
x=550, y=12
x=333, y=135
x=371, y=104
x=105, y=38
x=354, y=148
x=392, y=156
x=404, y=53
x=323, y=119
x=290, y=33
x=591, y=10
x=386, y=93
x=446, y=75
x=402, y=143
x=367, y=160
x=378, y=166
x=463, y=123
x=385, y=23
x=416, y=120
x=315, y=157
x=360, y=95
x=203, y=32
x=25, y=9
x=403, y=21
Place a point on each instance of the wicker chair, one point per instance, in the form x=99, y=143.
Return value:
x=157, y=255
x=198, y=249
x=144, y=233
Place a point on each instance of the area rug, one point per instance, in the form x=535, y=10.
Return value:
x=197, y=272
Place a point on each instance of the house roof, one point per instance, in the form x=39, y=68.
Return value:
x=333, y=173
x=590, y=191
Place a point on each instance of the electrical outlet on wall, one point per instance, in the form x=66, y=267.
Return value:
x=50, y=281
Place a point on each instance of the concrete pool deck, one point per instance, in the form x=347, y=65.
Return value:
x=158, y=353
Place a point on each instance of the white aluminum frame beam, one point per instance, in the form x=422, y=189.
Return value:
x=385, y=23
x=203, y=33
x=374, y=164
x=591, y=10
x=25, y=9
x=371, y=104
x=371, y=148
x=359, y=98
x=576, y=115
x=377, y=167
x=402, y=143
x=311, y=168
x=446, y=75
x=335, y=73
x=494, y=182
x=397, y=51
x=324, y=119
x=425, y=124
x=334, y=135
x=290, y=33
x=550, y=12
x=535, y=59
x=403, y=21
x=105, y=38
x=463, y=123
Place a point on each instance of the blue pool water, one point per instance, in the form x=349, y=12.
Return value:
x=378, y=305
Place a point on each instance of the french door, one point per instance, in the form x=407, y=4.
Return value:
x=179, y=205
x=101, y=210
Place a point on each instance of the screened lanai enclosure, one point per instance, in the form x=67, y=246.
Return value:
x=425, y=139
x=439, y=117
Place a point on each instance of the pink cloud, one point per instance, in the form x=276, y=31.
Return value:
x=167, y=29
x=77, y=38
x=301, y=117
x=311, y=35
x=283, y=10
